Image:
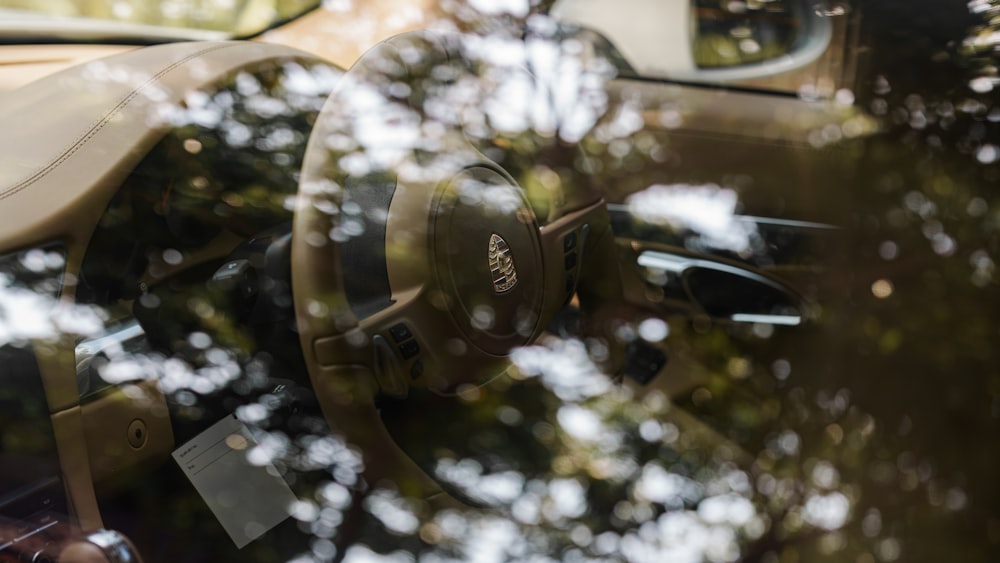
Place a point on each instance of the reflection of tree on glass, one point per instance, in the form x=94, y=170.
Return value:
x=176, y=301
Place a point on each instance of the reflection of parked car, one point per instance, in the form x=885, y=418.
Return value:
x=257, y=307
x=706, y=41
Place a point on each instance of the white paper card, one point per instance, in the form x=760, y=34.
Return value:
x=248, y=500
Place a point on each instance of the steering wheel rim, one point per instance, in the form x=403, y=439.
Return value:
x=464, y=268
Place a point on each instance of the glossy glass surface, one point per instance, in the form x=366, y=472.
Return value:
x=239, y=19
x=865, y=432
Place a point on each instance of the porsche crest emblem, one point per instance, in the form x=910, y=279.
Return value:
x=501, y=265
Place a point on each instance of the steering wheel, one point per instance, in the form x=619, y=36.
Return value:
x=417, y=260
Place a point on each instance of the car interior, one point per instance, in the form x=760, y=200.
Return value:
x=270, y=305
x=178, y=195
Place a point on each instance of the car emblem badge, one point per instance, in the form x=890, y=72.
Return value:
x=501, y=265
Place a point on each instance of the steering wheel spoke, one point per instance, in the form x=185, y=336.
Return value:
x=567, y=244
x=390, y=347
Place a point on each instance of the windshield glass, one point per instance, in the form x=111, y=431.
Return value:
x=236, y=18
x=479, y=296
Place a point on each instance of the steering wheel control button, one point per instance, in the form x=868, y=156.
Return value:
x=388, y=369
x=400, y=332
x=417, y=369
x=409, y=349
x=136, y=433
x=571, y=260
x=569, y=242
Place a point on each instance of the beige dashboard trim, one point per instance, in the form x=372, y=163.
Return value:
x=75, y=467
x=22, y=64
x=108, y=420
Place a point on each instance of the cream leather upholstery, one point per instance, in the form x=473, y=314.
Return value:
x=67, y=140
